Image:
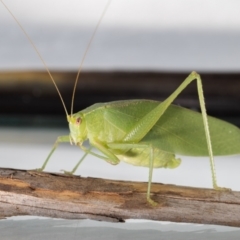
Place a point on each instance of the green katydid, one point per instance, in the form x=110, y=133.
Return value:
x=147, y=133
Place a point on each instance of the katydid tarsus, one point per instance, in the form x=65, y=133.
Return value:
x=147, y=133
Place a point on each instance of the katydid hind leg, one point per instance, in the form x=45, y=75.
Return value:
x=142, y=127
x=60, y=139
x=195, y=76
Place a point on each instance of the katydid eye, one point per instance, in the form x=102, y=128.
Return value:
x=78, y=120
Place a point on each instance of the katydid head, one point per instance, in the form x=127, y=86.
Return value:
x=78, y=130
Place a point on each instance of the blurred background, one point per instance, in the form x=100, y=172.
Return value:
x=142, y=49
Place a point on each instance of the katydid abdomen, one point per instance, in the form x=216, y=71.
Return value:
x=140, y=157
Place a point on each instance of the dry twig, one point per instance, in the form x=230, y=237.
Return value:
x=54, y=195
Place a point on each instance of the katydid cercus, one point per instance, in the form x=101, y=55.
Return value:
x=147, y=133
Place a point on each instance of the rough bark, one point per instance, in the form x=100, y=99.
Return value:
x=54, y=195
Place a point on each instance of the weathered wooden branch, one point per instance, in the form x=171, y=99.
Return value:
x=54, y=195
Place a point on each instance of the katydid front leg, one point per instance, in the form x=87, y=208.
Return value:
x=60, y=139
x=110, y=158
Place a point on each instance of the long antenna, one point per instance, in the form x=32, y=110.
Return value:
x=36, y=50
x=86, y=51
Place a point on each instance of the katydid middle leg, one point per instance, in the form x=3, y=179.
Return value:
x=77, y=165
x=124, y=146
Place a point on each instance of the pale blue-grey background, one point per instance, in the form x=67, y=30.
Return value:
x=170, y=35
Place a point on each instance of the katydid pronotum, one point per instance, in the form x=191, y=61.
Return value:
x=147, y=133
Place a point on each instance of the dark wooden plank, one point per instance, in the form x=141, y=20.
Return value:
x=32, y=94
